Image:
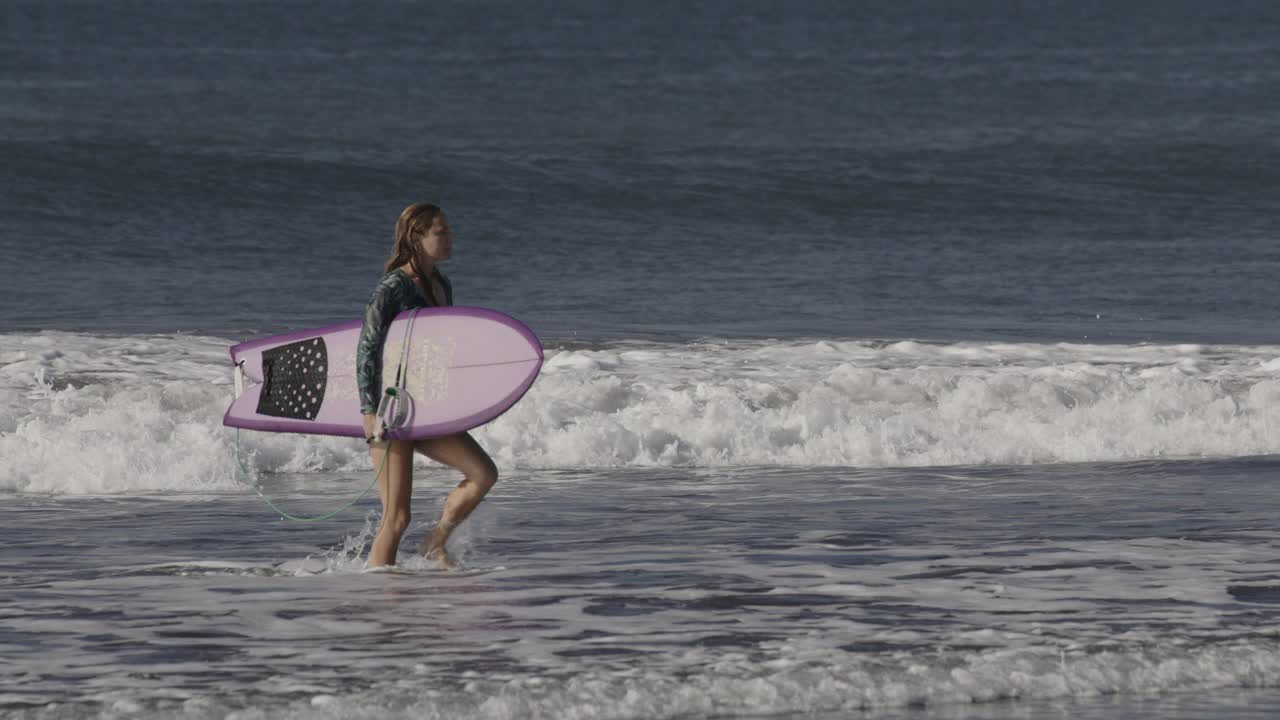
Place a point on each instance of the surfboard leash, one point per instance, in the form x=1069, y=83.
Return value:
x=392, y=394
x=299, y=518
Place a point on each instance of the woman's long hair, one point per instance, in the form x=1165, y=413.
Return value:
x=414, y=224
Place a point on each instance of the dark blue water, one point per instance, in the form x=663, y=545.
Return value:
x=1047, y=171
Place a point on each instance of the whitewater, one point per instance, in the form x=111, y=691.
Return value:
x=87, y=414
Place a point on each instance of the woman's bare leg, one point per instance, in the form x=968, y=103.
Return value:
x=460, y=452
x=395, y=487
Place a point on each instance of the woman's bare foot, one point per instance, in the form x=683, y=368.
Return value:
x=442, y=559
x=433, y=546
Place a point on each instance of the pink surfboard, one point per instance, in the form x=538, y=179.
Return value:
x=464, y=367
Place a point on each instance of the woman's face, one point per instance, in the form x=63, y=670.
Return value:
x=438, y=242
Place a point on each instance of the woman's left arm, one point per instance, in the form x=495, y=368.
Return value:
x=378, y=315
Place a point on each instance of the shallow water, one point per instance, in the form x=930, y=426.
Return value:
x=660, y=593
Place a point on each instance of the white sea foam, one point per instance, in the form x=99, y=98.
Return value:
x=738, y=684
x=810, y=684
x=88, y=414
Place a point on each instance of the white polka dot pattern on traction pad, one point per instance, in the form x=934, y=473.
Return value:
x=293, y=379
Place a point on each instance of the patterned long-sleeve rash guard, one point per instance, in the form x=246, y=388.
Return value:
x=396, y=293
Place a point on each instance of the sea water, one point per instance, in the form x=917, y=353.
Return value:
x=903, y=359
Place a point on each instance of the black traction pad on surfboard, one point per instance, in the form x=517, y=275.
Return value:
x=293, y=379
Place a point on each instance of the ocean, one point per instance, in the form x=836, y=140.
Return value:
x=908, y=359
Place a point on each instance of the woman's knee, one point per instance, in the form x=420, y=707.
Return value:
x=485, y=474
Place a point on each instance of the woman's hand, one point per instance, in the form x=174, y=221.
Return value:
x=370, y=421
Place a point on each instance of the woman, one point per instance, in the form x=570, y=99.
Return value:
x=412, y=280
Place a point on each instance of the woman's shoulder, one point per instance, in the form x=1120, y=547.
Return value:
x=392, y=284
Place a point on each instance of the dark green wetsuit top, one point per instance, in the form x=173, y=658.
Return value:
x=396, y=293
